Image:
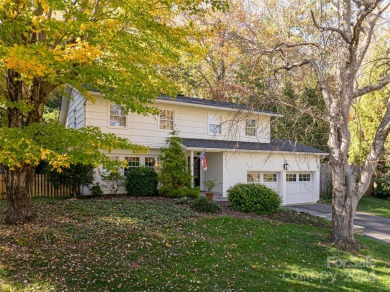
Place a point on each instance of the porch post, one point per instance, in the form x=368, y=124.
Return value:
x=192, y=168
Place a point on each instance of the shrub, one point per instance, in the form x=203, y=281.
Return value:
x=382, y=181
x=113, y=181
x=174, y=175
x=96, y=190
x=169, y=192
x=141, y=181
x=202, y=204
x=254, y=198
x=73, y=177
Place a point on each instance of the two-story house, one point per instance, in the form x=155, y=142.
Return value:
x=236, y=140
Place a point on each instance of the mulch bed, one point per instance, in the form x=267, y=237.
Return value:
x=283, y=215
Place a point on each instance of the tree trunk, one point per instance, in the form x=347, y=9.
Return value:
x=18, y=184
x=344, y=205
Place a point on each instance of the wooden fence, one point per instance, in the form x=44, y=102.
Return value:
x=42, y=188
x=326, y=180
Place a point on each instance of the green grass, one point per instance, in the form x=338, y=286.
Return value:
x=130, y=245
x=372, y=205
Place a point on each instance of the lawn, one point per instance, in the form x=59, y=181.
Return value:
x=372, y=205
x=125, y=244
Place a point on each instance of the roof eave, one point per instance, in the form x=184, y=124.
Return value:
x=247, y=150
x=174, y=102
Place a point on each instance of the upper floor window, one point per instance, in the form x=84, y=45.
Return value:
x=250, y=128
x=215, y=124
x=166, y=120
x=117, y=116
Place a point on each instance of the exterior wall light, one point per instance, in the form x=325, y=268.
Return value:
x=285, y=165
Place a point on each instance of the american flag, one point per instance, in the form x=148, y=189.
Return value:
x=203, y=161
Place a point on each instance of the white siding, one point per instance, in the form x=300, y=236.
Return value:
x=189, y=121
x=237, y=165
x=214, y=170
x=76, y=111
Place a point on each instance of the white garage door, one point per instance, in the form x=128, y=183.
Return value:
x=271, y=180
x=299, y=188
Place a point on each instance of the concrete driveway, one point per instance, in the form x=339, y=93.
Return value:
x=374, y=226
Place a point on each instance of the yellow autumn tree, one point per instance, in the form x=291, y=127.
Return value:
x=120, y=48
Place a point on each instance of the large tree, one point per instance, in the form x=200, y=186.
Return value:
x=120, y=48
x=339, y=46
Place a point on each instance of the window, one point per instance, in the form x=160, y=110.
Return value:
x=117, y=116
x=270, y=177
x=253, y=177
x=74, y=119
x=150, y=162
x=132, y=162
x=250, y=128
x=166, y=120
x=291, y=177
x=304, y=177
x=214, y=124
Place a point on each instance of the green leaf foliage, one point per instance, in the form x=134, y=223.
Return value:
x=174, y=174
x=59, y=146
x=141, y=181
x=204, y=205
x=253, y=198
x=75, y=176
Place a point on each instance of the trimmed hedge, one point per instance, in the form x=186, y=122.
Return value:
x=253, y=198
x=141, y=181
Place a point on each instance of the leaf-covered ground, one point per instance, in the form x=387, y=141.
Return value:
x=125, y=244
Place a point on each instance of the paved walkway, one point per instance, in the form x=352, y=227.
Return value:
x=374, y=226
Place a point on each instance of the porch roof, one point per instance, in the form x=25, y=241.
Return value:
x=273, y=146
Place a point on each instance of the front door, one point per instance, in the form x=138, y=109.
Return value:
x=196, y=170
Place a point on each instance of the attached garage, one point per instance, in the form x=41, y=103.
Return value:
x=269, y=179
x=299, y=188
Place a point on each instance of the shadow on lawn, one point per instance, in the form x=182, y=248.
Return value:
x=123, y=244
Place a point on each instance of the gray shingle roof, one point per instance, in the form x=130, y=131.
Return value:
x=208, y=102
x=275, y=145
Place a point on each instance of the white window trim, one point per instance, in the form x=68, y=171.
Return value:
x=255, y=128
x=174, y=120
x=128, y=156
x=109, y=118
x=143, y=160
x=262, y=176
x=304, y=173
x=292, y=181
x=208, y=124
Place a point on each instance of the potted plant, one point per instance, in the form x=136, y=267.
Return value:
x=210, y=184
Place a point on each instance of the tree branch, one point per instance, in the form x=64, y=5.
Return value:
x=329, y=28
x=374, y=87
x=288, y=67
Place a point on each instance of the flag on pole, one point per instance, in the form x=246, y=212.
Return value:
x=203, y=161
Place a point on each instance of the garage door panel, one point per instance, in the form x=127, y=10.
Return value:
x=299, y=187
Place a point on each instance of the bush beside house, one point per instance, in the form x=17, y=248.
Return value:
x=141, y=181
x=254, y=198
x=204, y=205
x=174, y=175
x=73, y=177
